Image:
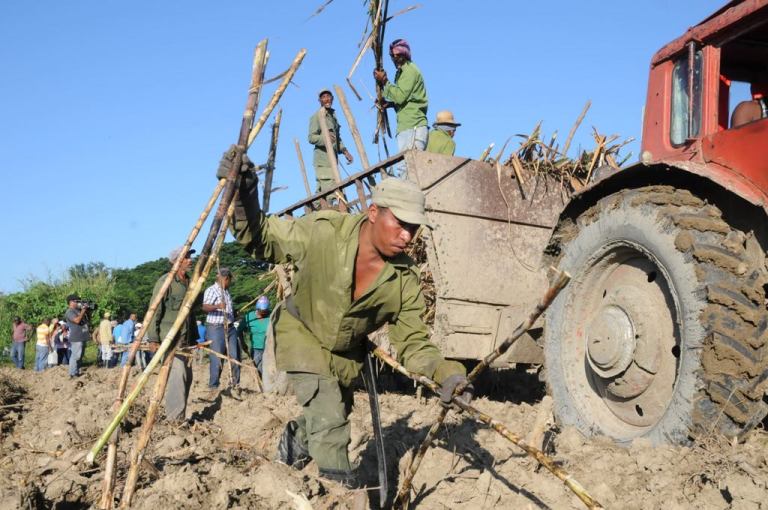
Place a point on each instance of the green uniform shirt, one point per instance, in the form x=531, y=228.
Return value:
x=441, y=142
x=167, y=312
x=320, y=157
x=410, y=97
x=329, y=339
x=258, y=328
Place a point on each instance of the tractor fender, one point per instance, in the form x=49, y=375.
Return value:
x=709, y=179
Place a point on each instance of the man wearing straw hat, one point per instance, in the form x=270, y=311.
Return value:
x=352, y=276
x=441, y=135
x=408, y=95
x=323, y=171
x=180, y=378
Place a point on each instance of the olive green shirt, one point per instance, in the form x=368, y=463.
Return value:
x=168, y=310
x=441, y=142
x=320, y=157
x=329, y=338
x=409, y=94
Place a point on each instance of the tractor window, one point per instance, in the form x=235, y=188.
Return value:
x=685, y=124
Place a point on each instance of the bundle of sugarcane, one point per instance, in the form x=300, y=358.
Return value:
x=536, y=156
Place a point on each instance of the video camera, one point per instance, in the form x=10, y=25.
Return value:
x=90, y=305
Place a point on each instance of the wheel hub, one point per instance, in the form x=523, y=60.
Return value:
x=610, y=341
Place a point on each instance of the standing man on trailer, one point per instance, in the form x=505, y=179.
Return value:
x=323, y=171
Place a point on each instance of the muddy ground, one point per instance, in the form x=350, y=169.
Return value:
x=223, y=458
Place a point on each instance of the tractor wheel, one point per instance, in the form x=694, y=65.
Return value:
x=662, y=331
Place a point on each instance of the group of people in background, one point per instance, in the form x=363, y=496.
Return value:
x=61, y=341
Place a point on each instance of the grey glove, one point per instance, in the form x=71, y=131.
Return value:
x=225, y=165
x=449, y=387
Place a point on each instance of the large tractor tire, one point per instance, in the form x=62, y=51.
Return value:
x=662, y=331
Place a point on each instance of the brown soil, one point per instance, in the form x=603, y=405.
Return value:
x=223, y=460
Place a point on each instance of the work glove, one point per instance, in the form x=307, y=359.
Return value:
x=225, y=165
x=449, y=387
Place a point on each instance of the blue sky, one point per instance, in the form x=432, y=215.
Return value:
x=113, y=115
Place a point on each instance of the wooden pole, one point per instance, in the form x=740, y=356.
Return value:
x=276, y=96
x=562, y=280
x=352, y=126
x=109, y=472
x=269, y=172
x=189, y=300
x=243, y=141
x=499, y=427
x=137, y=454
x=302, y=167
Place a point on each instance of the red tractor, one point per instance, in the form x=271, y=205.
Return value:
x=663, y=332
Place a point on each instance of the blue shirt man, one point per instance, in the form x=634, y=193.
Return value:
x=126, y=336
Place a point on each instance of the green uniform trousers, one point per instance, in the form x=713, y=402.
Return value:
x=324, y=428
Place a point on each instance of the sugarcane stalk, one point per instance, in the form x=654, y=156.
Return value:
x=137, y=454
x=330, y=147
x=264, y=292
x=271, y=160
x=403, y=495
x=562, y=280
x=302, y=167
x=549, y=296
x=226, y=358
x=352, y=126
x=109, y=472
x=226, y=331
x=330, y=152
x=186, y=306
x=243, y=141
x=276, y=96
x=499, y=427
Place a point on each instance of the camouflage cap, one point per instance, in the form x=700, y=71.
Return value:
x=404, y=198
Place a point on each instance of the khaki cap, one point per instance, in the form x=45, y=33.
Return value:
x=323, y=91
x=403, y=198
x=446, y=117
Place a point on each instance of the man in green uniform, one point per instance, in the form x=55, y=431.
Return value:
x=323, y=171
x=352, y=276
x=408, y=95
x=441, y=135
x=180, y=378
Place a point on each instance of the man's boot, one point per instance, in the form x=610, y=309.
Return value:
x=289, y=450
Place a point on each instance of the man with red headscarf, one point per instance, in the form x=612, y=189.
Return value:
x=408, y=96
x=756, y=109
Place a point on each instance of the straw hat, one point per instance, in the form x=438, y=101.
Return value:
x=446, y=117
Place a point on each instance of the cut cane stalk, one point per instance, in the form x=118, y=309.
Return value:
x=109, y=473
x=184, y=311
x=499, y=427
x=562, y=280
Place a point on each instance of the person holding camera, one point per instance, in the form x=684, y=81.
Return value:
x=77, y=322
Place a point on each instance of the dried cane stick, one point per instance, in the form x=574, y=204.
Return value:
x=143, y=440
x=137, y=454
x=302, y=167
x=562, y=280
x=226, y=332
x=254, y=92
x=499, y=427
x=186, y=306
x=352, y=126
x=109, y=472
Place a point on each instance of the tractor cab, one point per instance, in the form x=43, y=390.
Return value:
x=706, y=102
